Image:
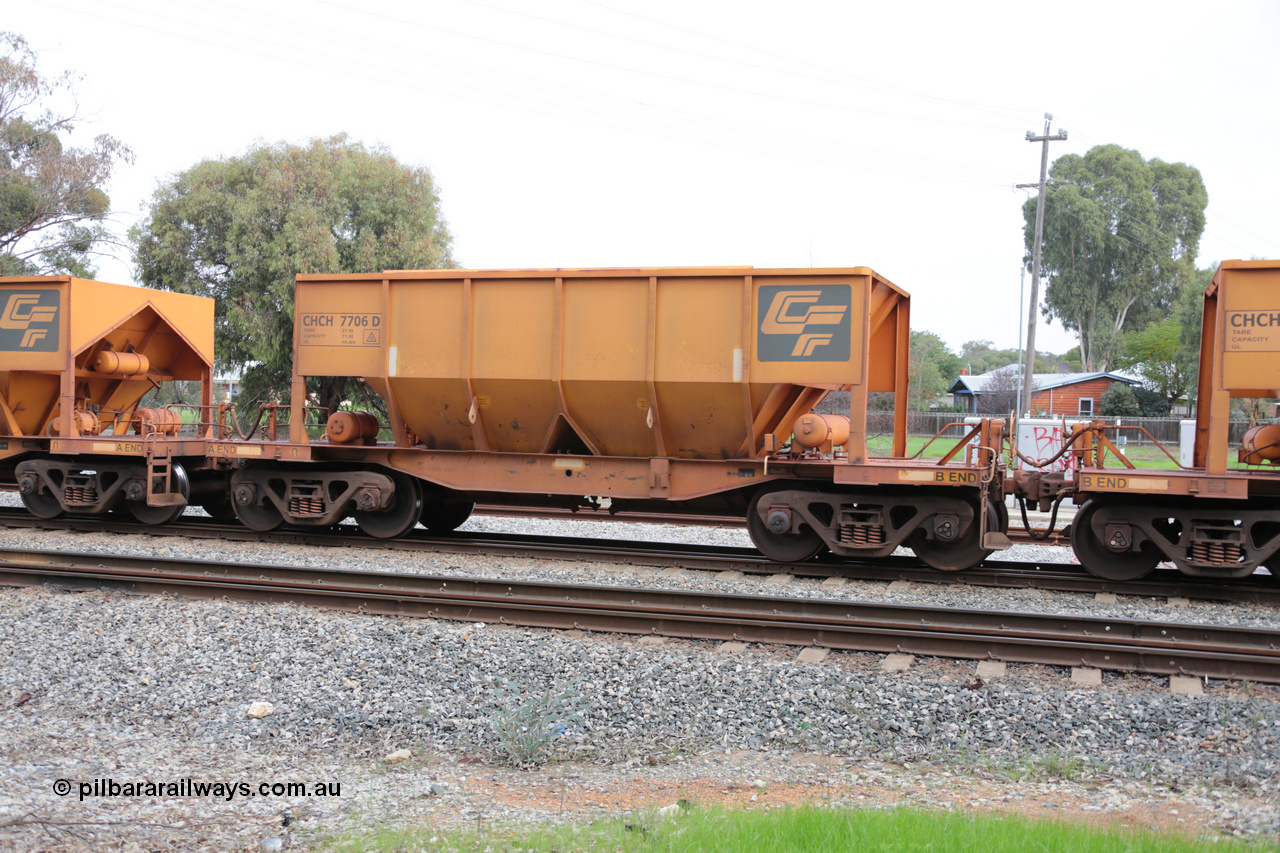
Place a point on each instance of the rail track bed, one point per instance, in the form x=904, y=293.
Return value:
x=1069, y=577
x=171, y=679
x=1116, y=644
x=1017, y=535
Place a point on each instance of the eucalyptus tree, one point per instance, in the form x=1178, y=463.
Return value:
x=53, y=209
x=1120, y=233
x=241, y=229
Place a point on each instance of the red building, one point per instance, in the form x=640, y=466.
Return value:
x=1073, y=394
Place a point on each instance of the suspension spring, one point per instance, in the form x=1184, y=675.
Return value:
x=860, y=534
x=1216, y=553
x=306, y=506
x=80, y=495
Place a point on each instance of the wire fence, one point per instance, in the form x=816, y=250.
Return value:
x=1167, y=431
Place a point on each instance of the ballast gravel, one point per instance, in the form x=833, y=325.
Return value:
x=104, y=688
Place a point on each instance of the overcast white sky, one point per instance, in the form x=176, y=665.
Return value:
x=567, y=133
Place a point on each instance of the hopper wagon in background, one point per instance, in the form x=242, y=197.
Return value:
x=76, y=359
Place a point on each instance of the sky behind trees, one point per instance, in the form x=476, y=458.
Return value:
x=611, y=133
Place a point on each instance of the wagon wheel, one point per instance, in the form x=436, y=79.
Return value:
x=441, y=516
x=259, y=514
x=781, y=547
x=958, y=554
x=1100, y=560
x=1002, y=515
x=154, y=515
x=401, y=516
x=42, y=505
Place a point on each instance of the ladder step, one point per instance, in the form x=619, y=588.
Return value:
x=160, y=473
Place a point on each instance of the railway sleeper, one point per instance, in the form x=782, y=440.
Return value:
x=1217, y=542
x=942, y=529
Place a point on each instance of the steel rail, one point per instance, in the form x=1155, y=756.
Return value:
x=1064, y=577
x=1123, y=644
x=1017, y=535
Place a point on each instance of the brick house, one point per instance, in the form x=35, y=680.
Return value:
x=1072, y=394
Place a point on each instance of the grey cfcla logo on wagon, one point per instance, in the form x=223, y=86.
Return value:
x=804, y=323
x=29, y=321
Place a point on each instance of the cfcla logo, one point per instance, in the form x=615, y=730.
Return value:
x=22, y=313
x=792, y=313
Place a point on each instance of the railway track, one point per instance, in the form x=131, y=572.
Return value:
x=1115, y=644
x=1017, y=535
x=1066, y=577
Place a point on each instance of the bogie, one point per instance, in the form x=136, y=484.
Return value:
x=53, y=487
x=944, y=529
x=385, y=503
x=1125, y=538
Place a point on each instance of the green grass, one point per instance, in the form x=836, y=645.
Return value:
x=1145, y=457
x=1142, y=457
x=809, y=829
x=882, y=445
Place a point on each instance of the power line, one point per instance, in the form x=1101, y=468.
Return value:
x=863, y=81
x=747, y=137
x=826, y=105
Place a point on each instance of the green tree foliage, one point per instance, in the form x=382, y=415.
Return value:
x=1118, y=239
x=1188, y=309
x=982, y=357
x=1157, y=352
x=1167, y=352
x=52, y=207
x=1119, y=401
x=1071, y=358
x=1152, y=403
x=240, y=229
x=933, y=368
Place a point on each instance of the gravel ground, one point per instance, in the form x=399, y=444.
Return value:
x=128, y=689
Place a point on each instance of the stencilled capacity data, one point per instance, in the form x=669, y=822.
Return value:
x=339, y=330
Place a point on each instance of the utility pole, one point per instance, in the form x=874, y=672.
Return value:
x=1022, y=294
x=1030, y=367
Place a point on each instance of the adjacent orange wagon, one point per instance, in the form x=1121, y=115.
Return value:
x=1212, y=519
x=76, y=359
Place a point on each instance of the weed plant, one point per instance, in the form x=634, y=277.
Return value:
x=527, y=723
